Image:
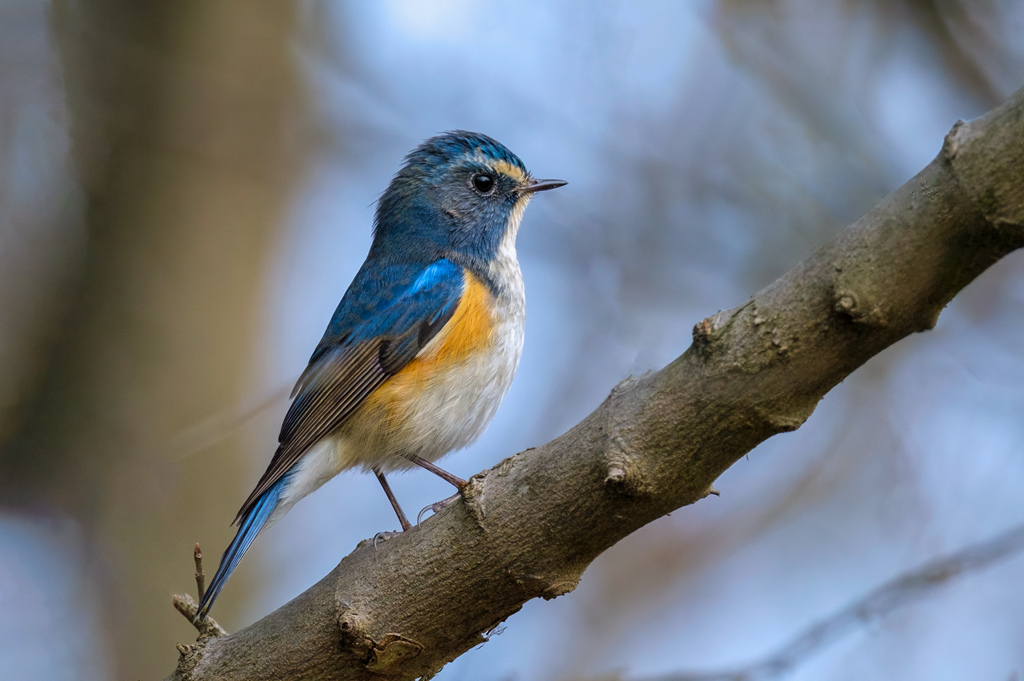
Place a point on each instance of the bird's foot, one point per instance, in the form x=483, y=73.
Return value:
x=383, y=536
x=438, y=506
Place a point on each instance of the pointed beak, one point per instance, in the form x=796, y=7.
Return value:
x=542, y=186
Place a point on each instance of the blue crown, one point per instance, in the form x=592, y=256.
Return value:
x=455, y=144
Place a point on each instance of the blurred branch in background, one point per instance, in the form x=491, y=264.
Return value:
x=209, y=431
x=183, y=121
x=901, y=591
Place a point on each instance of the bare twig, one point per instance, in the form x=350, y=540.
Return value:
x=207, y=626
x=184, y=604
x=197, y=553
x=211, y=430
x=908, y=587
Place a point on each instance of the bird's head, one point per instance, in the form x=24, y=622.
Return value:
x=459, y=192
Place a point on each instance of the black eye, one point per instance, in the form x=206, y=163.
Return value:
x=483, y=183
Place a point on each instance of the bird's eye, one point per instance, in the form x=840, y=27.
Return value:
x=483, y=183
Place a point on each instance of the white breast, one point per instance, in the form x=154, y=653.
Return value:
x=457, y=406
x=450, y=413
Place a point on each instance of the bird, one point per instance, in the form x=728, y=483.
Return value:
x=423, y=345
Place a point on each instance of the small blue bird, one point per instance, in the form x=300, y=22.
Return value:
x=425, y=342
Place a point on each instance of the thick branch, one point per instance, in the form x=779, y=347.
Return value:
x=529, y=526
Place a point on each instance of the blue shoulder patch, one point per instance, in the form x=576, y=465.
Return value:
x=436, y=273
x=390, y=300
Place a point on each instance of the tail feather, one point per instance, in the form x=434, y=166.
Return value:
x=250, y=526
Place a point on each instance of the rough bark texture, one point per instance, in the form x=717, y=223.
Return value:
x=530, y=526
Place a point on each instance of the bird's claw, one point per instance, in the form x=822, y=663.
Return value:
x=383, y=536
x=437, y=506
x=419, y=516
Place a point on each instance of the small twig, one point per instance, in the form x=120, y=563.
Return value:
x=197, y=553
x=184, y=604
x=207, y=626
x=897, y=592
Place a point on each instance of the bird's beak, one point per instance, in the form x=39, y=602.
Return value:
x=542, y=186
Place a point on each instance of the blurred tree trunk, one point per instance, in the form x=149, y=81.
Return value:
x=179, y=116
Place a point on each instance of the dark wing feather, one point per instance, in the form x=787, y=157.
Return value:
x=396, y=352
x=347, y=367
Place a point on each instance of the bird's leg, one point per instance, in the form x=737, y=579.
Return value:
x=394, y=502
x=439, y=472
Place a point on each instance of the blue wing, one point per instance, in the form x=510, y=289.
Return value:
x=388, y=314
x=371, y=337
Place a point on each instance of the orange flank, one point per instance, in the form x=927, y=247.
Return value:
x=467, y=333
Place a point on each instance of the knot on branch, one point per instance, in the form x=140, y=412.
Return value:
x=845, y=302
x=534, y=585
x=188, y=658
x=848, y=305
x=624, y=476
x=623, y=473
x=390, y=652
x=207, y=626
x=353, y=632
x=702, y=332
x=705, y=330
x=951, y=143
x=994, y=195
x=557, y=589
x=778, y=422
x=782, y=423
x=381, y=657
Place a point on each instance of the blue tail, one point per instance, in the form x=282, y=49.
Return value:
x=248, y=528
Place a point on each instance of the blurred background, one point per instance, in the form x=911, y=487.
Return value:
x=186, y=190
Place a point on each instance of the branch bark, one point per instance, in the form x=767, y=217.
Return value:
x=529, y=526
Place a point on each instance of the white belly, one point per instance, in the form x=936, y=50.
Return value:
x=449, y=413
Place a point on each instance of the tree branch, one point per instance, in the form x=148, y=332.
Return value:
x=529, y=526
